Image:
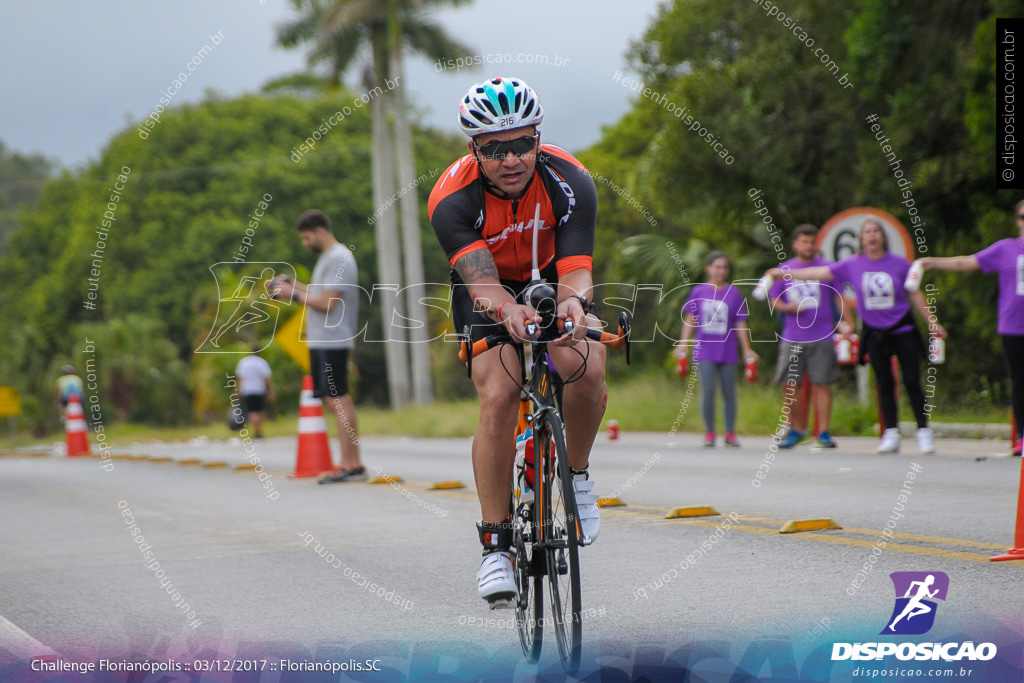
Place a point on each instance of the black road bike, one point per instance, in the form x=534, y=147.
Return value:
x=546, y=531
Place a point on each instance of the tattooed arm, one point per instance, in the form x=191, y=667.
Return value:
x=479, y=272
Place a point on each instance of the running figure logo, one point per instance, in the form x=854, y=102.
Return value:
x=251, y=303
x=878, y=291
x=914, y=613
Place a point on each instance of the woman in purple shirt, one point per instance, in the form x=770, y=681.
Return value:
x=877, y=277
x=1007, y=258
x=715, y=310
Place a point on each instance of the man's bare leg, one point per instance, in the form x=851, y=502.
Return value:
x=344, y=410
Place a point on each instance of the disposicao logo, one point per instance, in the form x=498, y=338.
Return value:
x=914, y=614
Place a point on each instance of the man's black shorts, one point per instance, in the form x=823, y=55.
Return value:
x=329, y=368
x=254, y=402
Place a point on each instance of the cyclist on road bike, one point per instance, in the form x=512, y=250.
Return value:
x=482, y=210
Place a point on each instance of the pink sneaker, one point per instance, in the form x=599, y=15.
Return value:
x=709, y=440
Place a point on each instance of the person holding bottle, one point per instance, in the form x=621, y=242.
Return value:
x=884, y=306
x=807, y=328
x=715, y=315
x=1005, y=257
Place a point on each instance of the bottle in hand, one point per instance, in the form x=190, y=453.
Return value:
x=682, y=363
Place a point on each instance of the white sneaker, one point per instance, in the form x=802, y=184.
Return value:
x=496, y=581
x=586, y=508
x=890, y=441
x=926, y=440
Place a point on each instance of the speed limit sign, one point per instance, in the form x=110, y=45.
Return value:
x=840, y=236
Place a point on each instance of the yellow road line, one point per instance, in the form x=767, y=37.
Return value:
x=657, y=514
x=836, y=539
x=941, y=540
x=912, y=549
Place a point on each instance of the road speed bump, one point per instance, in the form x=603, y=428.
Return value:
x=213, y=464
x=387, y=480
x=611, y=503
x=692, y=511
x=447, y=485
x=189, y=461
x=796, y=526
x=162, y=458
x=244, y=466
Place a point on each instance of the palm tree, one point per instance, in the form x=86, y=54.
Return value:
x=378, y=32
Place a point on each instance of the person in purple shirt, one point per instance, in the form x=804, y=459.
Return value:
x=1005, y=257
x=717, y=312
x=877, y=277
x=807, y=347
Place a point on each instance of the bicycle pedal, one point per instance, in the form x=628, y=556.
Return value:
x=562, y=566
x=503, y=601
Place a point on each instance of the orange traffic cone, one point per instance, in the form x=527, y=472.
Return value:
x=74, y=428
x=314, y=453
x=1017, y=551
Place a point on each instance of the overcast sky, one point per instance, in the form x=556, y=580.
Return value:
x=77, y=72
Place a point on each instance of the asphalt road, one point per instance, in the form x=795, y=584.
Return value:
x=243, y=556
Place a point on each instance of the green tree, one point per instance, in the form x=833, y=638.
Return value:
x=193, y=186
x=21, y=179
x=340, y=32
x=799, y=134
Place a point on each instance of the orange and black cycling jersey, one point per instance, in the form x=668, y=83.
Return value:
x=466, y=217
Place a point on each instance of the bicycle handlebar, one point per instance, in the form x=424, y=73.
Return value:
x=616, y=341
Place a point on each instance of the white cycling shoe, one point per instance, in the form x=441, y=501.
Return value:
x=586, y=508
x=496, y=581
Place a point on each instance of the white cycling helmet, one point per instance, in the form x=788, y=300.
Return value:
x=499, y=104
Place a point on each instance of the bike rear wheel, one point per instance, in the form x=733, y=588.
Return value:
x=561, y=536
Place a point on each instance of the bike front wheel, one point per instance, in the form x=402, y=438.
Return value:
x=529, y=581
x=561, y=534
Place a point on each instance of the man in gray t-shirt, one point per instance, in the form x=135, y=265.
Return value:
x=336, y=276
x=332, y=323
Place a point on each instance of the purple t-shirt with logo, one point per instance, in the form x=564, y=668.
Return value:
x=815, y=320
x=878, y=284
x=1007, y=257
x=717, y=312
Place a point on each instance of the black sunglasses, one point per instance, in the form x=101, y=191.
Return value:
x=499, y=149
x=1020, y=216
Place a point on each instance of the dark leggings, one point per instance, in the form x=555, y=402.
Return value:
x=1013, y=346
x=907, y=349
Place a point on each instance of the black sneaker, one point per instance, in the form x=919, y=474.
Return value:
x=341, y=474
